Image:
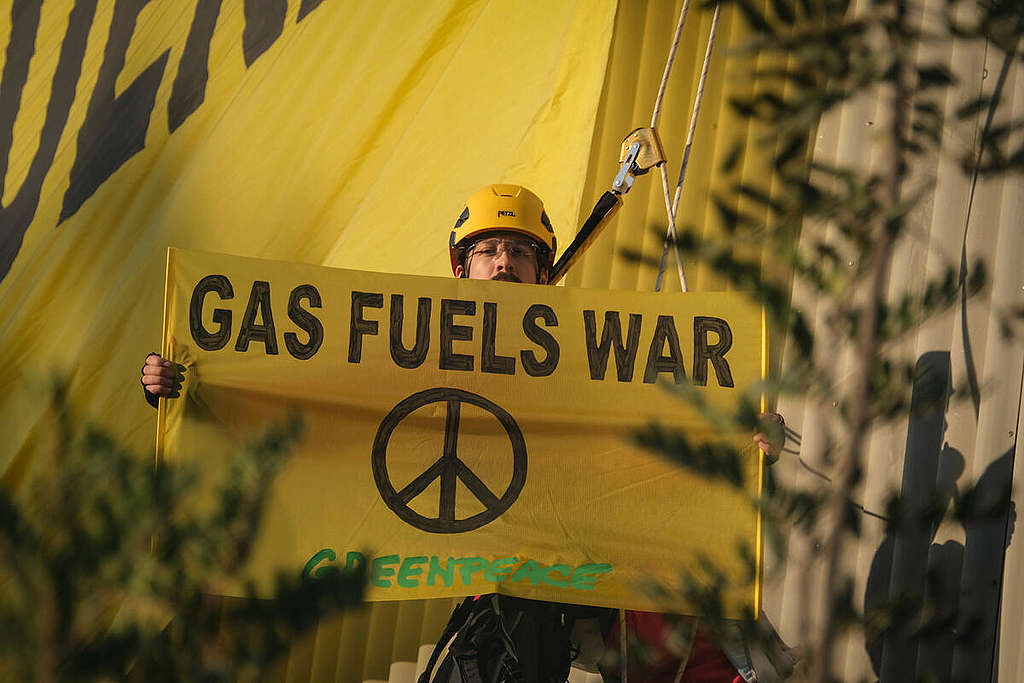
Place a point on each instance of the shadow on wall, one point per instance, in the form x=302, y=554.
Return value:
x=932, y=608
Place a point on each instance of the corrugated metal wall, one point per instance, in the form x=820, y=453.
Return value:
x=976, y=440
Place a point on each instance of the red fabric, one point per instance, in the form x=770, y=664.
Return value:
x=656, y=663
x=708, y=664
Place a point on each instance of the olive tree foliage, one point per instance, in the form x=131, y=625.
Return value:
x=832, y=230
x=109, y=563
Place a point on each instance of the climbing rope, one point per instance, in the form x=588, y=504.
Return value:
x=668, y=63
x=672, y=204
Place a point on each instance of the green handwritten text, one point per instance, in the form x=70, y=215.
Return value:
x=394, y=571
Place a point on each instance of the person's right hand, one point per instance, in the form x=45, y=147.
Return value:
x=160, y=376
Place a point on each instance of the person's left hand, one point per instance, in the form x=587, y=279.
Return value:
x=772, y=436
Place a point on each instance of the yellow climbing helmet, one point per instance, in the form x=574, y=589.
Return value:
x=503, y=208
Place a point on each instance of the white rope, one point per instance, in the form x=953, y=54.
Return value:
x=696, y=107
x=671, y=207
x=668, y=63
x=670, y=236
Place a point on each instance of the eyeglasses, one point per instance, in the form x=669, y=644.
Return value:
x=492, y=247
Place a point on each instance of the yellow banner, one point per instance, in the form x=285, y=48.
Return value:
x=339, y=132
x=465, y=437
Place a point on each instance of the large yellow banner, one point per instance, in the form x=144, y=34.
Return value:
x=465, y=437
x=339, y=132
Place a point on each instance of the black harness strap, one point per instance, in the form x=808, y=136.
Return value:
x=455, y=622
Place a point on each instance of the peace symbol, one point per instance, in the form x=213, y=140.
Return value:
x=448, y=468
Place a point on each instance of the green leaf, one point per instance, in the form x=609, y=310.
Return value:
x=744, y=107
x=732, y=157
x=716, y=460
x=978, y=277
x=811, y=8
x=784, y=10
x=759, y=196
x=934, y=75
x=729, y=216
x=793, y=148
x=754, y=17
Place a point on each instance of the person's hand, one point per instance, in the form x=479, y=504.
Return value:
x=771, y=437
x=160, y=376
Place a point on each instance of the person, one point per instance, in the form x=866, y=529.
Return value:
x=504, y=234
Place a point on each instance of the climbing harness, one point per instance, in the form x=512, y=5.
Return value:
x=501, y=639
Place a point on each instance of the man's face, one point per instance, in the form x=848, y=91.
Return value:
x=509, y=257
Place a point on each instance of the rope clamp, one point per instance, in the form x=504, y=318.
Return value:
x=641, y=151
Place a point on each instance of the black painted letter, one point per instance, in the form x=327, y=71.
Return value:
x=189, y=89
x=451, y=332
x=357, y=326
x=489, y=361
x=703, y=352
x=306, y=7
x=541, y=338
x=259, y=304
x=264, y=22
x=306, y=321
x=18, y=214
x=210, y=341
x=625, y=355
x=656, y=362
x=414, y=357
x=115, y=127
